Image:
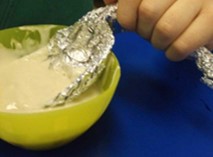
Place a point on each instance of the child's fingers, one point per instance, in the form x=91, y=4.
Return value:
x=149, y=13
x=199, y=33
x=127, y=13
x=175, y=20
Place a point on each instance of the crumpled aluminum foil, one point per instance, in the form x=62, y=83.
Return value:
x=83, y=46
x=204, y=61
x=86, y=45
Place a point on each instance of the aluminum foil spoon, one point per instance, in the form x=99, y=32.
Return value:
x=86, y=45
x=83, y=46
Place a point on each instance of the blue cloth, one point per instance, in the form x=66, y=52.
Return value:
x=160, y=109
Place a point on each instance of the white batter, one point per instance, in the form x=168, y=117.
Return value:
x=28, y=83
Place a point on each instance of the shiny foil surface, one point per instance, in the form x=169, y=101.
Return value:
x=83, y=46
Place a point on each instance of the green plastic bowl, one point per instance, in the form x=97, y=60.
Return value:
x=46, y=129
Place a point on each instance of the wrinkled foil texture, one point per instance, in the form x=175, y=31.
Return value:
x=84, y=45
x=204, y=61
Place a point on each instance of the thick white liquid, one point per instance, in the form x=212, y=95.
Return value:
x=27, y=83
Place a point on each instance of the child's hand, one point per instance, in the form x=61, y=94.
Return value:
x=177, y=26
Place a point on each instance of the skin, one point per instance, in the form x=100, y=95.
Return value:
x=178, y=27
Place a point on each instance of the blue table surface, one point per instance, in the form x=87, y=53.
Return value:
x=160, y=108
